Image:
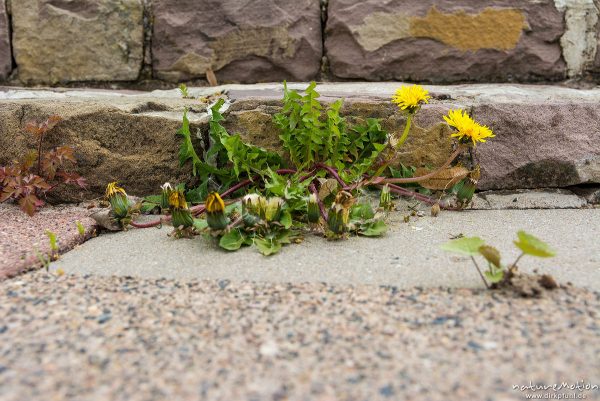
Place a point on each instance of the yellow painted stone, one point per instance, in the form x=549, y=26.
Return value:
x=492, y=28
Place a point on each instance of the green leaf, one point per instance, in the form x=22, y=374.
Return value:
x=465, y=246
x=232, y=241
x=198, y=194
x=150, y=202
x=494, y=276
x=373, y=229
x=286, y=219
x=533, y=246
x=267, y=246
x=186, y=149
x=200, y=224
x=362, y=211
x=153, y=199
x=148, y=207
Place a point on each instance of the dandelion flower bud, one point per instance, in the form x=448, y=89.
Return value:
x=313, y=211
x=215, y=212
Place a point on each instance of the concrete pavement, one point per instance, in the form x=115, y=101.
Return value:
x=408, y=255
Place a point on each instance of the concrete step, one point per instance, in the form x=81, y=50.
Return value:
x=546, y=136
x=408, y=255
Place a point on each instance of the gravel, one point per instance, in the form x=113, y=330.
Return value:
x=22, y=236
x=119, y=338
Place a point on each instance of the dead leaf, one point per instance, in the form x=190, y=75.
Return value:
x=211, y=78
x=444, y=179
x=328, y=187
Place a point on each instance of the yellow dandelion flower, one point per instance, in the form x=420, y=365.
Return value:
x=112, y=189
x=410, y=98
x=466, y=128
x=214, y=203
x=177, y=200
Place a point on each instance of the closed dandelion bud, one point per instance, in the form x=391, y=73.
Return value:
x=250, y=209
x=215, y=212
x=182, y=218
x=181, y=215
x=251, y=204
x=337, y=220
x=313, y=211
x=273, y=209
x=385, y=198
x=119, y=203
x=166, y=191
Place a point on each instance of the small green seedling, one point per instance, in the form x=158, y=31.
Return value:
x=44, y=260
x=496, y=272
x=80, y=228
x=184, y=91
x=53, y=245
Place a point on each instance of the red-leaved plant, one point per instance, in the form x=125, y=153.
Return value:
x=29, y=180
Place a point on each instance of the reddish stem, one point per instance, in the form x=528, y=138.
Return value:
x=151, y=223
x=312, y=188
x=420, y=197
x=333, y=172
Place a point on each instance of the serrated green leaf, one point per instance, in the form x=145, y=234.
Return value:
x=533, y=246
x=361, y=211
x=232, y=241
x=373, y=229
x=465, y=246
x=286, y=219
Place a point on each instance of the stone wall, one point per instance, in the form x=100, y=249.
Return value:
x=64, y=41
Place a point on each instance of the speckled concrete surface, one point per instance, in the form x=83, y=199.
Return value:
x=22, y=236
x=118, y=338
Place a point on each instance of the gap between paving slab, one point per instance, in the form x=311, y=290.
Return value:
x=407, y=256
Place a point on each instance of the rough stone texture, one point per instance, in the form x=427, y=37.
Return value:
x=63, y=41
x=580, y=40
x=445, y=41
x=547, y=136
x=5, y=52
x=539, y=145
x=134, y=143
x=22, y=237
x=240, y=41
x=128, y=339
x=589, y=193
